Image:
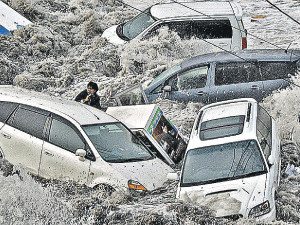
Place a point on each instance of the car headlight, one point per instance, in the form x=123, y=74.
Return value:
x=135, y=187
x=260, y=209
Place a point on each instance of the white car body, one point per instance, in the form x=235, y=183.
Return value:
x=234, y=195
x=176, y=14
x=44, y=158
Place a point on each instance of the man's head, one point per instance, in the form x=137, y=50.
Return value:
x=92, y=87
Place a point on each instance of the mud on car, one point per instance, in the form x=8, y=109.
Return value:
x=66, y=140
x=232, y=162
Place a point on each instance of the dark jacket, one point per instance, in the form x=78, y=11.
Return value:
x=94, y=99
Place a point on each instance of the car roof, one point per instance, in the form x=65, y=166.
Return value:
x=243, y=55
x=195, y=9
x=225, y=109
x=81, y=113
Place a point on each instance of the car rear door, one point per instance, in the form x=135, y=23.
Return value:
x=276, y=75
x=58, y=160
x=236, y=80
x=22, y=137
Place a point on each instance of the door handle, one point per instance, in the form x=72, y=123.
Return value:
x=201, y=93
x=254, y=87
x=223, y=44
x=49, y=153
x=6, y=135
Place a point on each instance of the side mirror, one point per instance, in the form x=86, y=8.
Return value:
x=173, y=176
x=271, y=160
x=81, y=153
x=167, y=88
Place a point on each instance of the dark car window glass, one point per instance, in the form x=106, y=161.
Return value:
x=165, y=74
x=138, y=24
x=223, y=127
x=265, y=147
x=236, y=72
x=115, y=143
x=182, y=28
x=194, y=78
x=277, y=70
x=65, y=136
x=222, y=162
x=6, y=109
x=210, y=29
x=264, y=117
x=28, y=121
x=226, y=121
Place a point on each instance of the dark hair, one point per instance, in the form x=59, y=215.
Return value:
x=93, y=85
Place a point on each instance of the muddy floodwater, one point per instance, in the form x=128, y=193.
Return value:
x=63, y=50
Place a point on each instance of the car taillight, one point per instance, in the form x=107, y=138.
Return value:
x=244, y=42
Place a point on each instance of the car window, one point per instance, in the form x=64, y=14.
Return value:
x=222, y=162
x=165, y=74
x=28, y=120
x=182, y=28
x=277, y=70
x=264, y=131
x=194, y=78
x=210, y=29
x=63, y=135
x=115, y=143
x=236, y=72
x=6, y=108
x=138, y=24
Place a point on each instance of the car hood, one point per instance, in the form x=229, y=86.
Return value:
x=111, y=35
x=235, y=197
x=150, y=173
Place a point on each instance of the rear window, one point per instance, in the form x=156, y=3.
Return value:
x=277, y=70
x=211, y=29
x=222, y=127
x=6, y=109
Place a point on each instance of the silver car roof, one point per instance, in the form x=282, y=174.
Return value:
x=195, y=9
x=244, y=55
x=81, y=113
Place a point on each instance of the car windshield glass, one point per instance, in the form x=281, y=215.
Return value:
x=138, y=24
x=116, y=144
x=165, y=74
x=222, y=162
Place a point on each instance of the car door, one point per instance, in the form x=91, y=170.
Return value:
x=236, y=80
x=58, y=159
x=22, y=137
x=276, y=75
x=188, y=85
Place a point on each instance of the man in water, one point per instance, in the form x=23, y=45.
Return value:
x=89, y=96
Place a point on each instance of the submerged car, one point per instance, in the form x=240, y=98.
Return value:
x=66, y=140
x=232, y=162
x=222, y=76
x=219, y=23
x=149, y=123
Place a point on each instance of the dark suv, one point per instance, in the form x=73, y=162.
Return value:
x=222, y=76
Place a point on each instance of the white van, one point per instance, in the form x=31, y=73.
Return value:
x=59, y=139
x=219, y=23
x=232, y=163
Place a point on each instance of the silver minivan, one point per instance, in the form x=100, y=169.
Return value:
x=66, y=140
x=219, y=23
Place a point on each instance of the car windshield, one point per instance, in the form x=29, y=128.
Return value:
x=165, y=74
x=222, y=162
x=115, y=143
x=138, y=24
